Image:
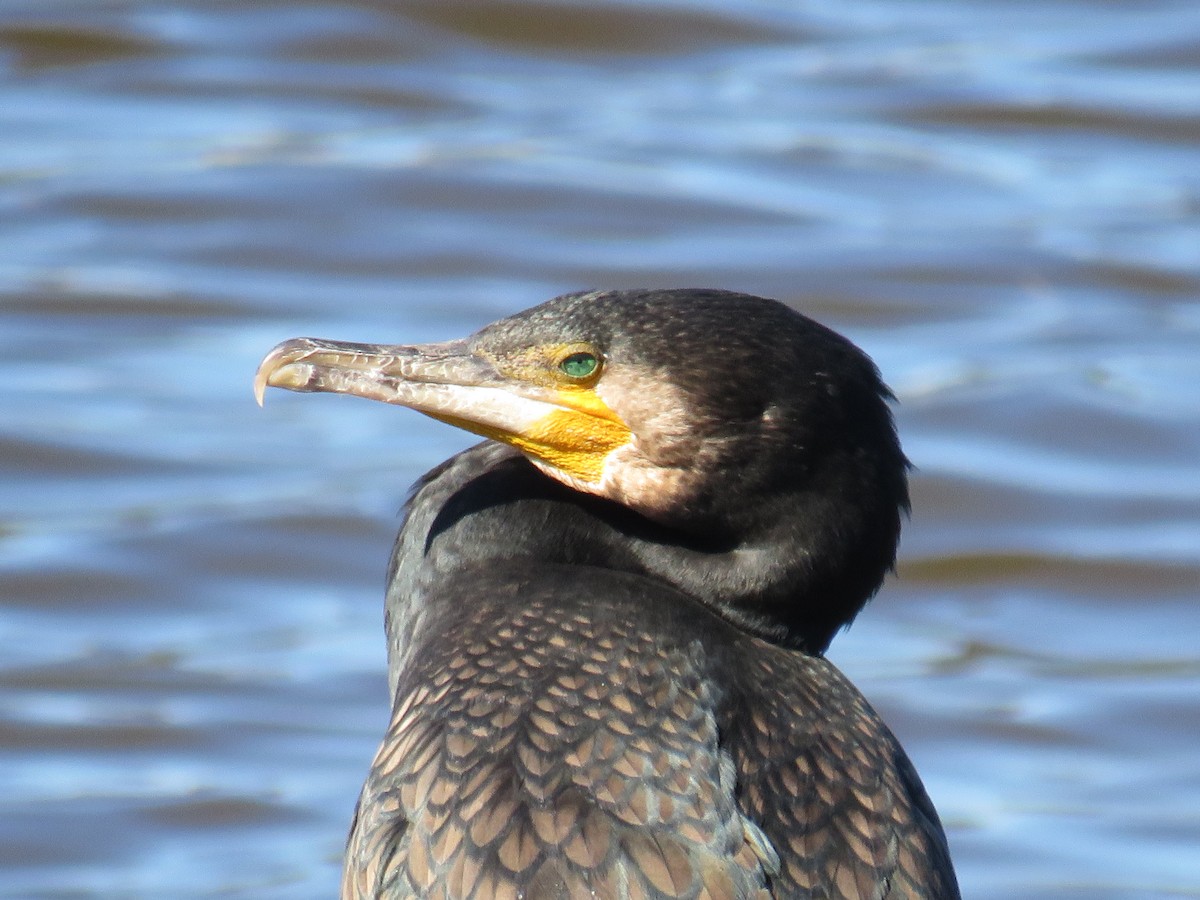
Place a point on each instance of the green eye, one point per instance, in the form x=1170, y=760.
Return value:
x=579, y=365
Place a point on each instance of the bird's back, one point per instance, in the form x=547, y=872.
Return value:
x=575, y=732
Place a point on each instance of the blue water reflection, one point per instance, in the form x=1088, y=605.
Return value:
x=1000, y=202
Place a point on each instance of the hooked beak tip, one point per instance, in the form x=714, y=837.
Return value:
x=278, y=360
x=260, y=388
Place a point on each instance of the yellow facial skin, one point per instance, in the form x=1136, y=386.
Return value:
x=575, y=444
x=576, y=437
x=556, y=419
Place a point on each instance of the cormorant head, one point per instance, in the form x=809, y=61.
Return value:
x=723, y=416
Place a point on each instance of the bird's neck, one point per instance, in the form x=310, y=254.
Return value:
x=489, y=506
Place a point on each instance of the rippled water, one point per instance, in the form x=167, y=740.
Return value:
x=999, y=201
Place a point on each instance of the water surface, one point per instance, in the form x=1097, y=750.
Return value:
x=1000, y=202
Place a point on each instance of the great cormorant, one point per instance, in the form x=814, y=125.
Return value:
x=606, y=624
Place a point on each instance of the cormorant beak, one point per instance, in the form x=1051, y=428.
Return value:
x=569, y=432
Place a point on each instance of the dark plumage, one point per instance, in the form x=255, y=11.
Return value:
x=605, y=640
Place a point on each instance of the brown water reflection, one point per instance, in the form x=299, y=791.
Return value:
x=1001, y=202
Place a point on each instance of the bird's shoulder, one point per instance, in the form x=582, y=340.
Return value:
x=557, y=736
x=830, y=784
x=575, y=732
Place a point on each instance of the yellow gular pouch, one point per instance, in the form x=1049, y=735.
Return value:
x=575, y=438
x=574, y=442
